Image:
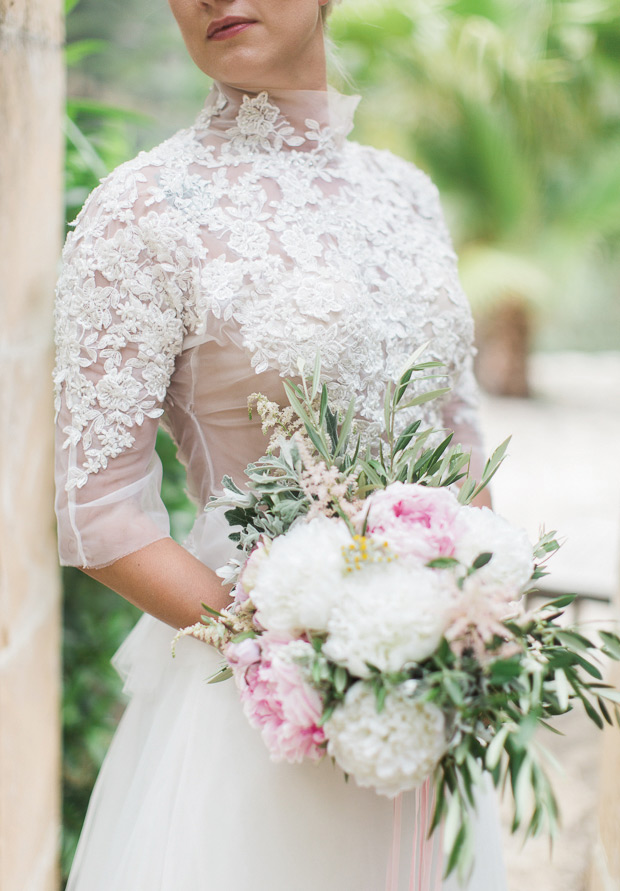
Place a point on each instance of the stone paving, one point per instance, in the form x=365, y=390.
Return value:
x=564, y=469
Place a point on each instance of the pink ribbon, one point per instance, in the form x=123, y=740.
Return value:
x=427, y=854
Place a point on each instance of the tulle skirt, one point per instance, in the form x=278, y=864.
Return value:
x=188, y=797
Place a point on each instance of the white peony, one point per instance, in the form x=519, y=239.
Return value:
x=483, y=531
x=392, y=751
x=296, y=586
x=389, y=614
x=251, y=568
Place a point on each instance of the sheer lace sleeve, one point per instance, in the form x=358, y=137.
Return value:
x=118, y=330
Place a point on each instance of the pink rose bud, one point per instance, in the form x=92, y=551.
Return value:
x=244, y=653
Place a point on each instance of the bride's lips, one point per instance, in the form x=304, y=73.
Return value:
x=222, y=29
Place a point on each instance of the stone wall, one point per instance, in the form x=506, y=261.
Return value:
x=31, y=107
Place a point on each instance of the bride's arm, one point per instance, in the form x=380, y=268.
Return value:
x=119, y=330
x=165, y=580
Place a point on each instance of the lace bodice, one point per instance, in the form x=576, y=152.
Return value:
x=205, y=269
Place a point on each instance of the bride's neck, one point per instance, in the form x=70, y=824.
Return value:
x=296, y=105
x=277, y=119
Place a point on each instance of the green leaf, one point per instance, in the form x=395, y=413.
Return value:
x=466, y=491
x=452, y=825
x=612, y=644
x=331, y=423
x=327, y=713
x=317, y=443
x=323, y=406
x=443, y=563
x=316, y=376
x=493, y=465
x=440, y=804
x=406, y=436
x=610, y=695
x=592, y=713
x=426, y=397
x=296, y=404
x=224, y=673
x=316, y=672
x=604, y=710
x=403, y=383
x=387, y=408
x=503, y=670
x=88, y=155
x=81, y=49
x=211, y=611
x=574, y=640
x=527, y=728
x=341, y=679
x=482, y=560
x=245, y=635
x=587, y=666
x=496, y=458
x=380, y=695
x=365, y=522
x=345, y=429
x=441, y=448
x=456, y=851
x=560, y=602
x=229, y=485
x=550, y=727
x=454, y=691
x=496, y=747
x=523, y=789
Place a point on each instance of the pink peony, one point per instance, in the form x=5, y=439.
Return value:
x=416, y=521
x=276, y=698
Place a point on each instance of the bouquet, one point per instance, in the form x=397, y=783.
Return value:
x=378, y=617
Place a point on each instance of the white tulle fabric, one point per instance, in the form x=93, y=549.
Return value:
x=197, y=274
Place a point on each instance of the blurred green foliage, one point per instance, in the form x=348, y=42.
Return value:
x=514, y=110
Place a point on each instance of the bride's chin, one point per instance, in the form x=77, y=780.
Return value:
x=250, y=78
x=240, y=67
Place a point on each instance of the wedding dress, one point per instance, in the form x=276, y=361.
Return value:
x=201, y=272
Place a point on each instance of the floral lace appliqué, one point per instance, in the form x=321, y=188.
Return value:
x=341, y=249
x=259, y=125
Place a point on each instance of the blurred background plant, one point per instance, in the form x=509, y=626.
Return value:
x=513, y=109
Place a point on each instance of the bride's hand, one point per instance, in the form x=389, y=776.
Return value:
x=165, y=580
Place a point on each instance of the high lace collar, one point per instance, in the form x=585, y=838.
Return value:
x=275, y=120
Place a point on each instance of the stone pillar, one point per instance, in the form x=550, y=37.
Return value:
x=31, y=109
x=605, y=867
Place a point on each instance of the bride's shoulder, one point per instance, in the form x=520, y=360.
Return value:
x=134, y=187
x=386, y=167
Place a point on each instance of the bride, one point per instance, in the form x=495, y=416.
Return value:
x=198, y=274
